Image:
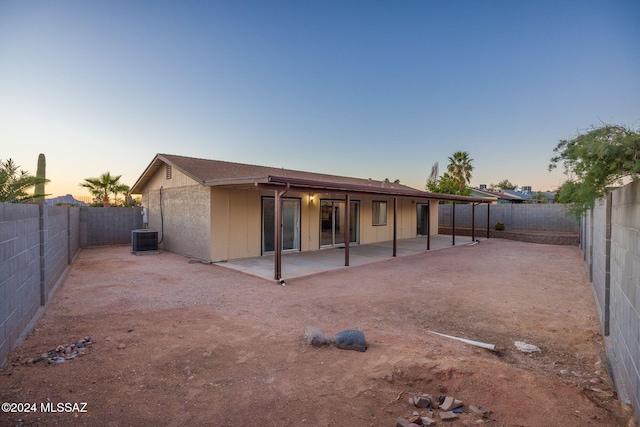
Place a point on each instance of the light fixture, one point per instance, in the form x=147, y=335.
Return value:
x=311, y=197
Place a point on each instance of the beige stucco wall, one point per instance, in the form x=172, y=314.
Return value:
x=236, y=220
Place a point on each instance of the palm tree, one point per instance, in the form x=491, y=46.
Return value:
x=102, y=186
x=460, y=168
x=14, y=183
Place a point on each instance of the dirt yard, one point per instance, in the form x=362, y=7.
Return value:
x=191, y=344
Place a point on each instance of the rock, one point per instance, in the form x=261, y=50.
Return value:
x=415, y=419
x=450, y=403
x=565, y=371
x=426, y=421
x=130, y=330
x=316, y=337
x=401, y=422
x=350, y=339
x=595, y=380
x=421, y=401
x=447, y=416
x=526, y=348
x=477, y=409
x=121, y=346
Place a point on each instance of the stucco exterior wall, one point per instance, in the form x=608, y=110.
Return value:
x=236, y=220
x=183, y=223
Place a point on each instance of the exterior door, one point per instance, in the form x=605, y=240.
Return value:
x=423, y=219
x=333, y=222
x=290, y=224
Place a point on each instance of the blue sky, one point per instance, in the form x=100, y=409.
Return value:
x=372, y=89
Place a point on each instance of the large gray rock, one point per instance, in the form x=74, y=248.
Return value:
x=350, y=339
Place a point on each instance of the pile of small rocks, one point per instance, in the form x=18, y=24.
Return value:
x=64, y=352
x=446, y=408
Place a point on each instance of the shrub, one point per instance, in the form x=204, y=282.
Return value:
x=499, y=226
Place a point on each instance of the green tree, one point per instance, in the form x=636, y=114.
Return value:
x=594, y=160
x=540, y=197
x=15, y=183
x=447, y=184
x=460, y=168
x=103, y=186
x=505, y=184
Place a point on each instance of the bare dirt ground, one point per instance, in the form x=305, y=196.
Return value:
x=192, y=344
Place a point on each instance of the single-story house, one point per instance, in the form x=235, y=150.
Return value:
x=496, y=196
x=215, y=210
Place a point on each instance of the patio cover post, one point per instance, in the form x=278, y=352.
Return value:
x=488, y=220
x=473, y=222
x=453, y=220
x=395, y=225
x=277, y=244
x=347, y=234
x=428, y=224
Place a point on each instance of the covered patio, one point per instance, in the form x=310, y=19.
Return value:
x=299, y=264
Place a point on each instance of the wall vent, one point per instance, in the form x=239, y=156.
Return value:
x=144, y=242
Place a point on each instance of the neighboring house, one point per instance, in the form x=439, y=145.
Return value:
x=215, y=210
x=496, y=196
x=65, y=200
x=528, y=196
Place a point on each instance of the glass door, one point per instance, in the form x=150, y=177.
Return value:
x=333, y=222
x=290, y=224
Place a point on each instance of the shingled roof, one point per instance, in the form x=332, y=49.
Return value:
x=221, y=173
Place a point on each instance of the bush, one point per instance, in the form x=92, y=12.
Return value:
x=499, y=226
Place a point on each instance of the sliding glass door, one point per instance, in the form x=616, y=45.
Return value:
x=333, y=225
x=290, y=224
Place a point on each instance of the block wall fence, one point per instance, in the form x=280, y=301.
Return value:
x=521, y=217
x=38, y=243
x=610, y=244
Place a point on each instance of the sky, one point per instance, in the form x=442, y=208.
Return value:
x=369, y=89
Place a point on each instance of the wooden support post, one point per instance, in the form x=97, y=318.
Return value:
x=278, y=235
x=428, y=224
x=473, y=222
x=488, y=220
x=347, y=233
x=453, y=220
x=395, y=226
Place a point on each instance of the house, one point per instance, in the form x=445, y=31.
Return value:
x=215, y=210
x=496, y=196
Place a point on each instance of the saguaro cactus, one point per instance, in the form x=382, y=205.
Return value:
x=41, y=175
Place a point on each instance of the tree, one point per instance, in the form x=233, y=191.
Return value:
x=505, y=184
x=103, y=186
x=460, y=168
x=455, y=180
x=540, y=197
x=447, y=184
x=594, y=160
x=15, y=183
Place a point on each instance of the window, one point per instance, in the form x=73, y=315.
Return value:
x=168, y=171
x=379, y=213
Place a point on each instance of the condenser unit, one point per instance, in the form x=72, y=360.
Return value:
x=144, y=242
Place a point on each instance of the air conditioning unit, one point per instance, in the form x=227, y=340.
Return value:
x=144, y=242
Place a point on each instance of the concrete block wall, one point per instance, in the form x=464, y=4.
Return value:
x=37, y=246
x=108, y=226
x=612, y=259
x=20, y=295
x=530, y=217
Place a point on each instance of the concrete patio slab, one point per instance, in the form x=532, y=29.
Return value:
x=300, y=264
